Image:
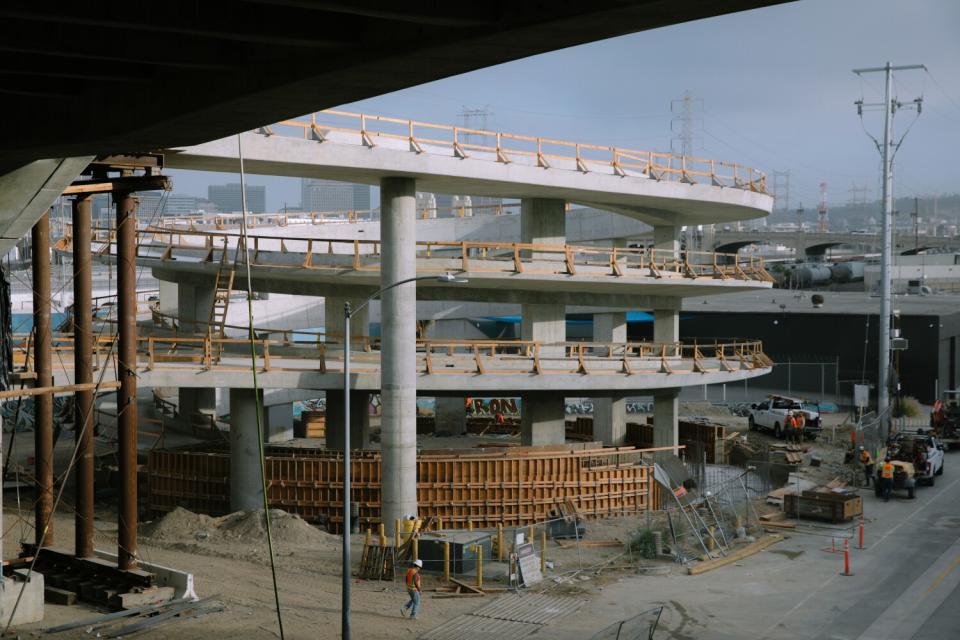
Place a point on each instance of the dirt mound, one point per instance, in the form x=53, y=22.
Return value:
x=287, y=528
x=179, y=525
x=182, y=526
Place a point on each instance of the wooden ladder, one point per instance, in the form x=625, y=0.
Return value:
x=216, y=324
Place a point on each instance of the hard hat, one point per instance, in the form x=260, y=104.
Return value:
x=887, y=459
x=861, y=447
x=418, y=563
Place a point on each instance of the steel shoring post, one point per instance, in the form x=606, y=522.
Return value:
x=345, y=604
x=83, y=372
x=43, y=405
x=126, y=371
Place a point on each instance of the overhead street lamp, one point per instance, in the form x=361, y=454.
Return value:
x=347, y=315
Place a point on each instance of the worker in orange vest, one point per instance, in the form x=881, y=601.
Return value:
x=413, y=589
x=798, y=423
x=886, y=479
x=790, y=424
x=867, y=461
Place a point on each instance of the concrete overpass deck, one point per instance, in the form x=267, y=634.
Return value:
x=618, y=277
x=658, y=188
x=443, y=367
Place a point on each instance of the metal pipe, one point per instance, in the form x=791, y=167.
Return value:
x=43, y=405
x=345, y=591
x=83, y=373
x=126, y=370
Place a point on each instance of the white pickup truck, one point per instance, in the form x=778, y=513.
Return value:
x=770, y=415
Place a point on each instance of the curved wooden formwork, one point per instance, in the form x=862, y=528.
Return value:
x=513, y=487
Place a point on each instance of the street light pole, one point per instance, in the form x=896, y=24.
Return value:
x=347, y=315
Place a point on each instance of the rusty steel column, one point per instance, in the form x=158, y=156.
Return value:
x=83, y=372
x=126, y=370
x=43, y=404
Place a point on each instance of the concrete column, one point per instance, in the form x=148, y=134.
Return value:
x=279, y=424
x=194, y=302
x=398, y=387
x=450, y=415
x=666, y=238
x=246, y=482
x=542, y=419
x=333, y=319
x=665, y=412
x=543, y=221
x=169, y=297
x=359, y=420
x=610, y=414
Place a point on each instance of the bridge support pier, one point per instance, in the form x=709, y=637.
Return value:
x=543, y=221
x=246, y=480
x=359, y=420
x=450, y=415
x=398, y=376
x=666, y=331
x=194, y=302
x=279, y=424
x=610, y=414
x=665, y=424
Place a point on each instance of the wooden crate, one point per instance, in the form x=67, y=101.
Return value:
x=830, y=507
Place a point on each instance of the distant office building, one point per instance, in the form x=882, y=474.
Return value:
x=171, y=204
x=228, y=200
x=329, y=195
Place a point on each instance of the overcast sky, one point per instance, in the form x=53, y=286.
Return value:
x=776, y=87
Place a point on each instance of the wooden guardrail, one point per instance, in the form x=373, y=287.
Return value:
x=497, y=146
x=467, y=257
x=435, y=357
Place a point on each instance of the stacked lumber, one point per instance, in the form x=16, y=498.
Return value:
x=313, y=424
x=378, y=562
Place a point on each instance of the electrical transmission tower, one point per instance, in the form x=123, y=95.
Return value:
x=822, y=210
x=781, y=190
x=888, y=149
x=685, y=124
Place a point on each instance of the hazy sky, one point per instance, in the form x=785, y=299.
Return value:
x=776, y=88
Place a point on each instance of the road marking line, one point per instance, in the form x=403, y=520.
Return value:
x=943, y=574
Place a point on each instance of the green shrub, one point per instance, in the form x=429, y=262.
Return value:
x=642, y=543
x=908, y=407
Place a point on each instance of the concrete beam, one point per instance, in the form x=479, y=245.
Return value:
x=398, y=308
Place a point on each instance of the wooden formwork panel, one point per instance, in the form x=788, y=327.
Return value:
x=513, y=488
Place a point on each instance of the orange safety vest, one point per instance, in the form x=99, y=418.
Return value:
x=413, y=580
x=887, y=470
x=865, y=457
x=798, y=422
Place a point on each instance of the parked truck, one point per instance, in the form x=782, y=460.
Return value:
x=920, y=448
x=945, y=419
x=770, y=415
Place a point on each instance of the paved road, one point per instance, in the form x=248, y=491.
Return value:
x=905, y=583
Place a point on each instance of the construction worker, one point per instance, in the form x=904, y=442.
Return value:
x=413, y=589
x=799, y=422
x=886, y=479
x=867, y=461
x=790, y=423
x=499, y=419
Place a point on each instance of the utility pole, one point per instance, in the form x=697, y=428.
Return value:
x=890, y=105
